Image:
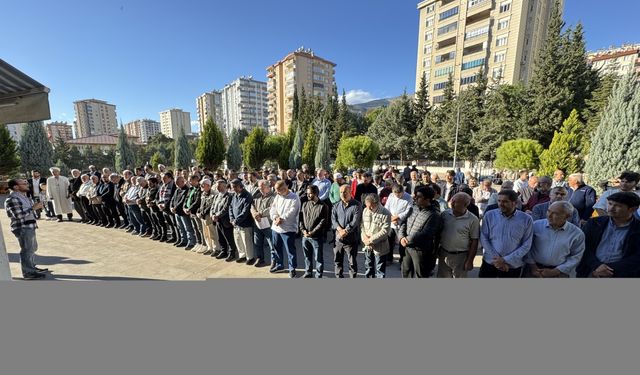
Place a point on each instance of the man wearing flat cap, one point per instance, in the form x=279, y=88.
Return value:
x=612, y=243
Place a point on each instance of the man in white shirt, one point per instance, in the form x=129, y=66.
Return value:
x=399, y=205
x=284, y=213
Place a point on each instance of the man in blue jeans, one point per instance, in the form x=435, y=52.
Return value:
x=23, y=225
x=285, y=212
x=312, y=228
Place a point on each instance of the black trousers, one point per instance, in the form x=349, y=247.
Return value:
x=122, y=212
x=488, y=271
x=112, y=208
x=146, y=216
x=225, y=236
x=170, y=220
x=417, y=263
x=86, y=207
x=339, y=251
x=100, y=213
x=393, y=237
x=160, y=226
x=77, y=204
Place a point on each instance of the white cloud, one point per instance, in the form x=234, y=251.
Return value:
x=359, y=96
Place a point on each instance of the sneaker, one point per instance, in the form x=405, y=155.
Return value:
x=241, y=260
x=135, y=233
x=307, y=275
x=35, y=275
x=275, y=269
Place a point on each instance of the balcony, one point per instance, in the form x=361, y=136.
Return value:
x=480, y=14
x=446, y=42
x=476, y=48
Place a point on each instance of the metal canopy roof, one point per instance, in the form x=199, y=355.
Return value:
x=22, y=99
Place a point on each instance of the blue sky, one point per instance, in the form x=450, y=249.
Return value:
x=148, y=56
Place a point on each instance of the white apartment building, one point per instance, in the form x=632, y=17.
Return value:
x=172, y=120
x=244, y=105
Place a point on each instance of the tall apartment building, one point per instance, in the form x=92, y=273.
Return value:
x=172, y=120
x=142, y=129
x=460, y=37
x=94, y=117
x=208, y=105
x=244, y=105
x=57, y=130
x=620, y=61
x=301, y=69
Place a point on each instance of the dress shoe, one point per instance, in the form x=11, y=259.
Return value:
x=162, y=239
x=145, y=235
x=216, y=253
x=292, y=274
x=135, y=233
x=230, y=258
x=130, y=230
x=222, y=255
x=41, y=269
x=181, y=245
x=207, y=252
x=59, y=220
x=241, y=260
x=34, y=275
x=188, y=248
x=251, y=262
x=275, y=269
x=260, y=263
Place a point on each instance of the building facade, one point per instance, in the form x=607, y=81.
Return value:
x=461, y=37
x=142, y=129
x=208, y=105
x=244, y=105
x=172, y=120
x=57, y=130
x=619, y=61
x=15, y=131
x=94, y=117
x=301, y=69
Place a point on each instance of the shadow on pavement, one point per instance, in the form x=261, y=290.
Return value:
x=48, y=260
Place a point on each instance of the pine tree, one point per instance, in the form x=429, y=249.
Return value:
x=36, y=152
x=253, y=148
x=61, y=150
x=183, y=153
x=210, y=151
x=9, y=161
x=296, y=105
x=125, y=157
x=616, y=144
x=581, y=78
x=434, y=135
x=295, y=157
x=550, y=88
x=310, y=147
x=565, y=150
x=76, y=158
x=234, y=153
x=421, y=104
x=323, y=153
x=341, y=126
x=595, y=107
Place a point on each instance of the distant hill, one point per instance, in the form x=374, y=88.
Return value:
x=363, y=108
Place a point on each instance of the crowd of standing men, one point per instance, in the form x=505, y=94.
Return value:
x=535, y=226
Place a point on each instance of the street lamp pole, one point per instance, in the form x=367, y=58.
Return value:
x=455, y=147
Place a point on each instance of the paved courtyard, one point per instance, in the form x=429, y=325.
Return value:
x=75, y=251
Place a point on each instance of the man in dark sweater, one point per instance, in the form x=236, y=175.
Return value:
x=365, y=188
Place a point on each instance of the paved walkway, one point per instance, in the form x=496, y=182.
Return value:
x=75, y=251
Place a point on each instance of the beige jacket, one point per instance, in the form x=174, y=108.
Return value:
x=376, y=225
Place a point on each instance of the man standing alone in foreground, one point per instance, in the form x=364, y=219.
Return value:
x=23, y=226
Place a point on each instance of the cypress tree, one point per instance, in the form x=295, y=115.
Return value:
x=36, y=152
x=253, y=148
x=124, y=157
x=234, y=153
x=9, y=161
x=310, y=147
x=182, y=154
x=616, y=144
x=421, y=104
x=565, y=150
x=61, y=150
x=323, y=153
x=210, y=151
x=295, y=157
x=595, y=107
x=296, y=105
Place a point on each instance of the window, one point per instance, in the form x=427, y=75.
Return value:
x=468, y=80
x=448, y=13
x=431, y=8
x=473, y=3
x=445, y=57
x=501, y=41
x=426, y=63
x=477, y=32
x=438, y=99
x=497, y=72
x=443, y=71
x=448, y=28
x=428, y=36
x=505, y=6
x=429, y=22
x=428, y=49
x=503, y=23
x=472, y=64
x=440, y=86
x=499, y=56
